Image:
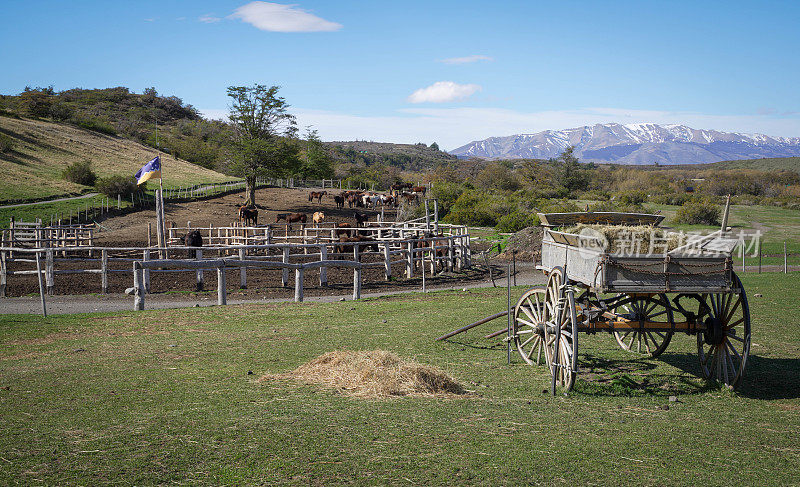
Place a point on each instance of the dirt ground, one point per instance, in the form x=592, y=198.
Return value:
x=131, y=230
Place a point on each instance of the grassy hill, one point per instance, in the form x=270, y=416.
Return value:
x=41, y=151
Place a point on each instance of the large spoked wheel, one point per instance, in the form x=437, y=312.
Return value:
x=725, y=344
x=561, y=333
x=530, y=318
x=645, y=309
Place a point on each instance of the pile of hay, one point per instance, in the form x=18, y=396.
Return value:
x=631, y=239
x=375, y=373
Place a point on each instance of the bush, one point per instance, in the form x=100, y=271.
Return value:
x=516, y=221
x=698, y=212
x=471, y=209
x=80, y=173
x=95, y=125
x=116, y=185
x=6, y=143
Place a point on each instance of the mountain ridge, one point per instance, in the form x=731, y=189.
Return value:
x=636, y=143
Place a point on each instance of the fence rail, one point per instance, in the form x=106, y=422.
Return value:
x=407, y=243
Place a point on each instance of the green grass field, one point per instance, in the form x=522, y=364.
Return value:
x=161, y=397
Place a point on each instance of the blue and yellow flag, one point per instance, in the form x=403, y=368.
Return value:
x=150, y=170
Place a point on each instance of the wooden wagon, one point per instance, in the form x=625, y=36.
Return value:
x=643, y=300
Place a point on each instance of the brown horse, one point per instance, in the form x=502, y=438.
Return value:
x=291, y=218
x=248, y=215
x=358, y=238
x=316, y=194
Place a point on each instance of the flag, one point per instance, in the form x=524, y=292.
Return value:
x=150, y=170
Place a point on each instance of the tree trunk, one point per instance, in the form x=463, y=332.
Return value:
x=250, y=192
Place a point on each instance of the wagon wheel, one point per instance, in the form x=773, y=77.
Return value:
x=725, y=344
x=530, y=319
x=645, y=308
x=561, y=333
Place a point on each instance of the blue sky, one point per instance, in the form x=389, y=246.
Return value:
x=444, y=71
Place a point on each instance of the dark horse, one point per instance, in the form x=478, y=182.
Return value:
x=291, y=218
x=248, y=215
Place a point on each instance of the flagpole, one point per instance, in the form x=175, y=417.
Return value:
x=160, y=207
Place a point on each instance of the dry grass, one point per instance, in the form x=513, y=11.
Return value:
x=374, y=373
x=622, y=238
x=44, y=149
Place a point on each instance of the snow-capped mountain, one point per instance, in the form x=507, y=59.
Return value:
x=634, y=143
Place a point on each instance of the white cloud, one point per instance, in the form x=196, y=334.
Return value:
x=208, y=19
x=443, y=91
x=454, y=127
x=276, y=17
x=467, y=59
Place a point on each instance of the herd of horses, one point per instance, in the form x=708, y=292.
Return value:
x=346, y=233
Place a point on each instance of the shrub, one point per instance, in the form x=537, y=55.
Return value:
x=6, y=143
x=60, y=112
x=80, y=173
x=516, y=221
x=698, y=212
x=470, y=209
x=95, y=125
x=116, y=185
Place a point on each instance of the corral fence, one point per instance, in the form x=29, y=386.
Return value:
x=412, y=244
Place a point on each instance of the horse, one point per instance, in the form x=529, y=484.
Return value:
x=401, y=186
x=343, y=229
x=410, y=198
x=316, y=194
x=192, y=239
x=318, y=217
x=339, y=200
x=419, y=189
x=360, y=219
x=291, y=218
x=355, y=199
x=358, y=238
x=248, y=215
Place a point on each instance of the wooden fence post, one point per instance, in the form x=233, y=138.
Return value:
x=436, y=216
x=285, y=271
x=41, y=290
x=3, y=273
x=221, y=289
x=357, y=282
x=198, y=286
x=242, y=271
x=450, y=254
x=323, y=270
x=387, y=261
x=410, y=260
x=298, y=285
x=104, y=270
x=138, y=292
x=49, y=271
x=146, y=272
x=427, y=217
